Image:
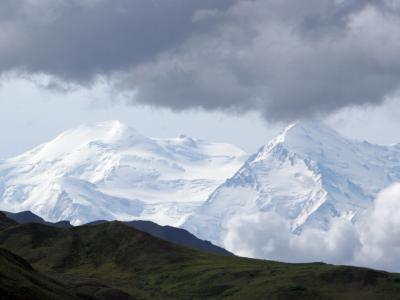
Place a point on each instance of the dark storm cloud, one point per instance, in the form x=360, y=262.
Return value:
x=79, y=39
x=285, y=59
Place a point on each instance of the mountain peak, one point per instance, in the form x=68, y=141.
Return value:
x=309, y=175
x=112, y=133
x=307, y=129
x=109, y=131
x=112, y=125
x=305, y=137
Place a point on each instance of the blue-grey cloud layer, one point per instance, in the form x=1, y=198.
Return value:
x=79, y=39
x=285, y=59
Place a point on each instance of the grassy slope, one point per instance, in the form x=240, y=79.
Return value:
x=149, y=268
x=18, y=281
x=6, y=222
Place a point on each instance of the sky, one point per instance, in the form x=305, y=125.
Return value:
x=233, y=71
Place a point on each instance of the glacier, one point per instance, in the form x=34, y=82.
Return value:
x=108, y=171
x=309, y=176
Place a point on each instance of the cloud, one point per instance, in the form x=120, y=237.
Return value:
x=381, y=232
x=268, y=236
x=373, y=242
x=283, y=59
x=78, y=40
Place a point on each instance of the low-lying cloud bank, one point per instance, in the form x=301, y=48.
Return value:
x=372, y=242
x=285, y=59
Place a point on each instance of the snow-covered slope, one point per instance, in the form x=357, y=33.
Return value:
x=110, y=171
x=308, y=175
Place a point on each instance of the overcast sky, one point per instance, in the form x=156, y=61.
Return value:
x=228, y=70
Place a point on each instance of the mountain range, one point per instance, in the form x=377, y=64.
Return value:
x=309, y=176
x=108, y=171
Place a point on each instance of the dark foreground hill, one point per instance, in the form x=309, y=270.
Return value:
x=19, y=281
x=174, y=235
x=145, y=267
x=25, y=217
x=178, y=236
x=5, y=221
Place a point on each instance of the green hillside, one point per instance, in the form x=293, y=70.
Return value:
x=149, y=268
x=19, y=281
x=5, y=221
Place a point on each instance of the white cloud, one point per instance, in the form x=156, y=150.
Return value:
x=263, y=235
x=268, y=235
x=380, y=234
x=372, y=242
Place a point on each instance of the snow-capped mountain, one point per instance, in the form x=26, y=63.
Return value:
x=308, y=175
x=110, y=171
